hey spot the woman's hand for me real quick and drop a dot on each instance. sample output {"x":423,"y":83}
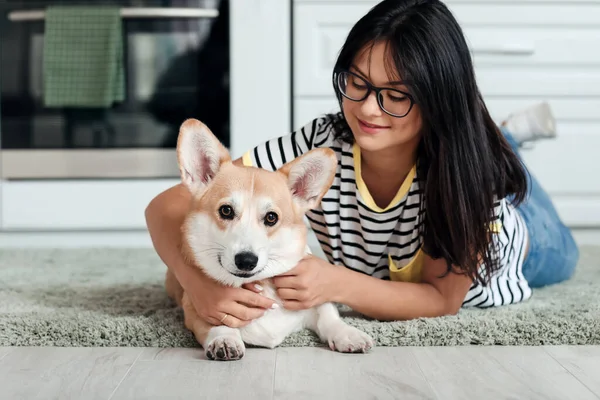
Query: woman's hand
{"x":212,"y":301}
{"x":309,"y":284}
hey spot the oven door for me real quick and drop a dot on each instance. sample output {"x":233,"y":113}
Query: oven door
{"x":176,"y":59}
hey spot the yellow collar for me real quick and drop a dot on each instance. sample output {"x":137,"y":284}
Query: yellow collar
{"x":364,"y":191}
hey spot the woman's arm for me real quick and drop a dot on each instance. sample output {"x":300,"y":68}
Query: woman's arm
{"x":164,"y":216}
{"x":315,"y":281}
{"x":387,"y":300}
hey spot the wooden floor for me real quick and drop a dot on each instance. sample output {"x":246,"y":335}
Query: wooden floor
{"x":569,"y":372}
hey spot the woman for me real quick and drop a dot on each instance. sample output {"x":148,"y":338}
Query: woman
{"x":429,"y":211}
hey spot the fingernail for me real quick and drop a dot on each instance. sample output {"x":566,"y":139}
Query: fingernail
{"x":275,"y":305}
{"x":258,"y":287}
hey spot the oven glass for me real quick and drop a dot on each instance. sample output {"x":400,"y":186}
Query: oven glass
{"x":174,"y":68}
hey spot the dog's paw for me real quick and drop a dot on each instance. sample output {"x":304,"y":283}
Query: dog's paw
{"x":225,"y":348}
{"x":349,"y":339}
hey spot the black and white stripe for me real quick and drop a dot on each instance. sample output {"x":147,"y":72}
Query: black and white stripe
{"x":360,"y":238}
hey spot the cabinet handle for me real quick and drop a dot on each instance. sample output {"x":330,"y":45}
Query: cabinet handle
{"x":505,"y":50}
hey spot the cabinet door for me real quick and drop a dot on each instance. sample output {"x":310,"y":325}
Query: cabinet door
{"x":78,"y":205}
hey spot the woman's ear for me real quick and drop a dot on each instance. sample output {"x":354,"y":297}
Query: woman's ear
{"x":199,"y":154}
{"x":310,"y":176}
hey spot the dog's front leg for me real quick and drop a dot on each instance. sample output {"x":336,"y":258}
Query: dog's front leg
{"x":224,"y":344}
{"x":220,"y":343}
{"x":340,"y":336}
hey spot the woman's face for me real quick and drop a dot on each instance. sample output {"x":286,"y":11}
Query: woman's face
{"x":373,"y":129}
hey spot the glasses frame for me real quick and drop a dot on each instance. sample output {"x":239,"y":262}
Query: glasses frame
{"x":372,"y":88}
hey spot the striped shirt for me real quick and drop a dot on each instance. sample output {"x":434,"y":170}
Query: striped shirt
{"x":386,"y":242}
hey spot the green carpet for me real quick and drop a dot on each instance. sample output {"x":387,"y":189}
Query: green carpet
{"x":108,"y":297}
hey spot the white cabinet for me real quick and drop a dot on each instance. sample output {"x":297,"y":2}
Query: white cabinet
{"x":78,"y":205}
{"x":524,"y":52}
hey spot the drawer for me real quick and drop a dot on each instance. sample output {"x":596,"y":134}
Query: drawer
{"x":567,"y":165}
{"x":533,"y":47}
{"x":565,"y":13}
{"x":78,"y":205}
{"x":521,"y":49}
{"x":546,"y":82}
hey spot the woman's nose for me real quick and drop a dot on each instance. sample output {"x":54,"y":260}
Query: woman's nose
{"x":370,"y":106}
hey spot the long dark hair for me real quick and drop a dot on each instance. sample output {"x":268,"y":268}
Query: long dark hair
{"x":464,"y":163}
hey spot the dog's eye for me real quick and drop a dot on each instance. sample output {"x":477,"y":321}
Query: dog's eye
{"x":226,"y":212}
{"x":271,"y":218}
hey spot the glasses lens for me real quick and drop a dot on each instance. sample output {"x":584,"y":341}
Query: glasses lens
{"x":352,"y":86}
{"x":394,"y":102}
{"x":356,"y":88}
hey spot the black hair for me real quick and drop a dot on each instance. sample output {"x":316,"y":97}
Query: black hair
{"x":464,"y":162}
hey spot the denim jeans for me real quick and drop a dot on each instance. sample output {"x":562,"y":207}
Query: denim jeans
{"x":553,"y":253}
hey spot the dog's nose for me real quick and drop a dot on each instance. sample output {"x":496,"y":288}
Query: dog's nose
{"x":246,"y":260}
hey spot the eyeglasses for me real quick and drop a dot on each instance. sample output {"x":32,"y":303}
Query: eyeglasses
{"x":391,"y":101}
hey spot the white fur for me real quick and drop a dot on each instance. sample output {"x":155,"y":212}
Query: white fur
{"x":271,"y":329}
{"x":276,"y":256}
{"x":208,"y":242}
{"x":227,"y":339}
{"x":214,"y":249}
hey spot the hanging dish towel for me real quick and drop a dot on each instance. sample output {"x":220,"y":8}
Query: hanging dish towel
{"x":83,"y":56}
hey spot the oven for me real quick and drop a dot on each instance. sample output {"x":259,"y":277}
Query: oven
{"x":176,"y":61}
{"x":84,"y":175}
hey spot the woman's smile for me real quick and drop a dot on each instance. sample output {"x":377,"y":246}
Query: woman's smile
{"x":371,"y":128}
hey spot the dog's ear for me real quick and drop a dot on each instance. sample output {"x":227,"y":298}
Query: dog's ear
{"x":199,"y":154}
{"x":310,"y":176}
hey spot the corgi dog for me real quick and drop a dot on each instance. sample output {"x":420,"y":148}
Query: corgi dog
{"x":245,"y":224}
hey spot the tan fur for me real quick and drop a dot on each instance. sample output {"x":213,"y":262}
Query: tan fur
{"x":198,"y":326}
{"x":174,"y":289}
{"x":251,"y":180}
{"x":191,"y":319}
{"x":208,"y":172}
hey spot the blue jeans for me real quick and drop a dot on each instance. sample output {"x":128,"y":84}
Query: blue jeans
{"x":553,"y":253}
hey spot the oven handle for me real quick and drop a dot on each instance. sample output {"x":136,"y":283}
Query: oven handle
{"x":129,"y":12}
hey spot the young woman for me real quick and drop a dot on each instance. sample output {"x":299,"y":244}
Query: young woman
{"x":431,"y":209}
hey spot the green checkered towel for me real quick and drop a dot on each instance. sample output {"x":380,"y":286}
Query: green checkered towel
{"x":83,"y":56}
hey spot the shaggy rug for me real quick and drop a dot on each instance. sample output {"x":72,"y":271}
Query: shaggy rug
{"x":113,"y":297}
